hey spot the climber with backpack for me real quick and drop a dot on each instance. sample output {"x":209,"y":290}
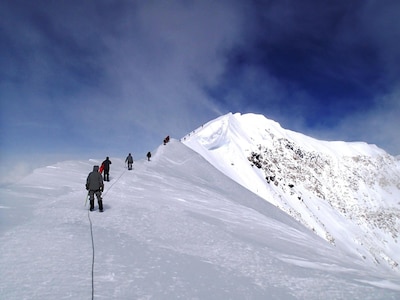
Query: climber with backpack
{"x":129,"y":160}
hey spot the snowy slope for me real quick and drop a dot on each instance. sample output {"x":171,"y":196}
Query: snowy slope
{"x":173,"y":228}
{"x":348,"y":193}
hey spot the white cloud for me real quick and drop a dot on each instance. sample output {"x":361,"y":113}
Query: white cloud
{"x":377,"y":124}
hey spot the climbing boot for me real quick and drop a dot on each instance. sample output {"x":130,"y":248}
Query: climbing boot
{"x":101,"y":205}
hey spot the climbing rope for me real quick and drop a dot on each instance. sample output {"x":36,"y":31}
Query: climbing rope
{"x":105,"y":193}
{"x":91,"y":233}
{"x":91,"y":230}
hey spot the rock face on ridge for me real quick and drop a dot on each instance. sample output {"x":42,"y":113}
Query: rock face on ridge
{"x":348,"y":193}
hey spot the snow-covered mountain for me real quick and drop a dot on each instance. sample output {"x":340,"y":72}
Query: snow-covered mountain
{"x":178,"y":228}
{"x":347,"y":193}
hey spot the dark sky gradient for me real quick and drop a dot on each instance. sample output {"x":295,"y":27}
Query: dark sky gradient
{"x":310,"y":50}
{"x":84,"y":79}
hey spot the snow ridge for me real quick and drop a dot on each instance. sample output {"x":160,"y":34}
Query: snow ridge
{"x":347,"y":193}
{"x":176,"y":227}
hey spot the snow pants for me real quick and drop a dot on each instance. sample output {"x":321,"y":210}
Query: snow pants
{"x":99,"y":199}
{"x":106,"y":175}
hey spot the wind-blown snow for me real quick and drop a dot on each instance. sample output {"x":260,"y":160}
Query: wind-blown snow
{"x":348,"y":193}
{"x":173,"y":228}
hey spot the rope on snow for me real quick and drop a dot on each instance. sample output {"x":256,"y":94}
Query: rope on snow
{"x":91,"y":232}
{"x":105,"y":193}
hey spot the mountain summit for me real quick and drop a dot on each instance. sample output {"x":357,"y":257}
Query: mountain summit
{"x":347,"y":193}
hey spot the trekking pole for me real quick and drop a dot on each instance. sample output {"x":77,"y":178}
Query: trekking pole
{"x":87,"y":198}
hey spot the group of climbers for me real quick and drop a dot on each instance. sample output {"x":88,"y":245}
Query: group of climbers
{"x":129,"y":159}
{"x":95,"y":183}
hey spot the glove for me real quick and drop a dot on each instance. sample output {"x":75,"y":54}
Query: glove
{"x":87,"y":187}
{"x":101,"y":188}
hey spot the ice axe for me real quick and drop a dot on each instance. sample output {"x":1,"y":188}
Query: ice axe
{"x":87,"y":198}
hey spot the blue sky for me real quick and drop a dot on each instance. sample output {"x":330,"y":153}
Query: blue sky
{"x":90,"y":79}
